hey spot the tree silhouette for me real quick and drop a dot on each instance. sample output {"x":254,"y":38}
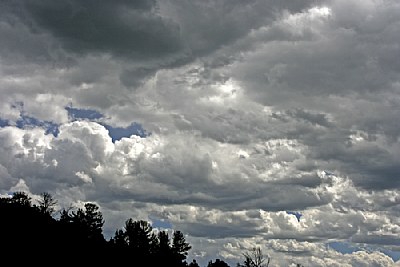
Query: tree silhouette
{"x":139,"y":235}
{"x":21,"y":198}
{"x":180,"y":247}
{"x":163,"y":245}
{"x":119,"y":239}
{"x":31,"y":231}
{"x":193,"y":263}
{"x":255,"y":258}
{"x":217,"y":263}
{"x":82,"y":229}
{"x":91,"y":220}
{"x":139,"y":240}
{"x":25,"y":230}
{"x":47,"y":203}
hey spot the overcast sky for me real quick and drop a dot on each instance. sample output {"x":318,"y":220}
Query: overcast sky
{"x":220,"y":118}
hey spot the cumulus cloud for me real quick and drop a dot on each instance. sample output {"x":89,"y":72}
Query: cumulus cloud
{"x":253,"y":109}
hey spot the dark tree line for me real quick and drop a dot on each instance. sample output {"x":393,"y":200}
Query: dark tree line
{"x":31,"y":234}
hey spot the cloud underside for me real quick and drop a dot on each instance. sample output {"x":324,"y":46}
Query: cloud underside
{"x":256,"y":110}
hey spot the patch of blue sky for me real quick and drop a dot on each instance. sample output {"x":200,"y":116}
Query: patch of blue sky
{"x":344,"y":247}
{"x":395,"y":255}
{"x":295,"y":213}
{"x":163,"y":224}
{"x":26,"y":122}
{"x":89,"y":114}
{"x":4,"y":123}
{"x":116,"y":133}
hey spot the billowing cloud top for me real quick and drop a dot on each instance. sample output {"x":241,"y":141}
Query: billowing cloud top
{"x":241,"y":123}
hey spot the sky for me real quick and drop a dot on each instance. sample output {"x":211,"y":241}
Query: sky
{"x":256,"y":123}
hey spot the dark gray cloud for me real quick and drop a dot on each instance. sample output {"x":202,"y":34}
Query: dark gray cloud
{"x":204,"y":29}
{"x":122,"y":28}
{"x":141,"y":30}
{"x":156,"y":35}
{"x":136,"y":77}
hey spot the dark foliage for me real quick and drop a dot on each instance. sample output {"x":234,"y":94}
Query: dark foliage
{"x":255,"y":258}
{"x":217,"y":263}
{"x":31,"y":235}
{"x":138,"y":240}
{"x":193,"y":263}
